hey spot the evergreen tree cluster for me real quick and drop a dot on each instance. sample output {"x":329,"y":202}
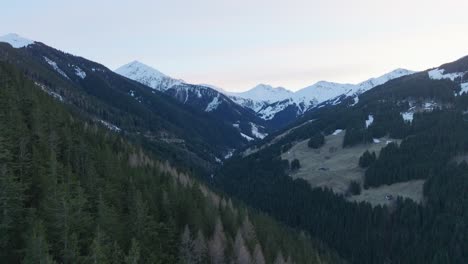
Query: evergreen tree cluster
{"x":316,"y":141}
{"x":367,"y":159}
{"x":436,"y":137}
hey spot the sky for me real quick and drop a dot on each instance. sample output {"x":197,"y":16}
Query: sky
{"x":238,"y":44}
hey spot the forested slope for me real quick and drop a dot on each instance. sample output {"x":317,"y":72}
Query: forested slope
{"x":435,"y":231}
{"x":72,"y":191}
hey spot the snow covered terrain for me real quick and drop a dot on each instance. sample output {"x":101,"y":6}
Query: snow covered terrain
{"x":369,"y":121}
{"x":438,"y":74}
{"x":264,"y":92}
{"x":213,"y":104}
{"x":55,"y":67}
{"x":79,"y":72}
{"x":323,"y":91}
{"x":16,"y":41}
{"x":147,"y":75}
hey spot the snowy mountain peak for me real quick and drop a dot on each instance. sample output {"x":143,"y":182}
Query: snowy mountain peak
{"x":16,"y":41}
{"x":147,"y":75}
{"x":264,"y":92}
{"x":371,"y":83}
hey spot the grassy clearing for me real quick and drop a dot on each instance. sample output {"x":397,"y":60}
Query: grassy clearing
{"x":335,"y":167}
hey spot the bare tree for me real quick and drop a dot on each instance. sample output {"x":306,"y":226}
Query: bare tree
{"x":248,"y":230}
{"x":199,"y":248}
{"x":186,"y":247}
{"x":280,"y":259}
{"x":241,"y":253}
{"x":258,"y":255}
{"x":217,"y":244}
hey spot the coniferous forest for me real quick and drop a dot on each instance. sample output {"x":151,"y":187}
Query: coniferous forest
{"x":74,"y":192}
{"x":434,"y":231}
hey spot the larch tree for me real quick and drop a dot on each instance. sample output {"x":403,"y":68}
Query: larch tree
{"x":258,"y":257}
{"x":241,"y":253}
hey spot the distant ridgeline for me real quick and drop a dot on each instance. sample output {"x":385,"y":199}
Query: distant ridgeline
{"x":74,"y":191}
{"x":427,"y":111}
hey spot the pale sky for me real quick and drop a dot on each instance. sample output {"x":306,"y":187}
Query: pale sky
{"x":236,"y":44}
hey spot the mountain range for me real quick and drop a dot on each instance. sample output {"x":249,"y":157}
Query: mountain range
{"x":277,"y":106}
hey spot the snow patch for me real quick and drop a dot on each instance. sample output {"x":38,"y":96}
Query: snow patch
{"x":376,"y":140}
{"x":246,"y":137}
{"x":369,"y":121}
{"x":110,"y":126}
{"x":464,"y":88}
{"x":213,"y":104}
{"x":16,"y":41}
{"x":256,"y":133}
{"x":407,"y":116}
{"x":438,"y":74}
{"x":338,"y":131}
{"x":229,"y":154}
{"x":79,"y":72}
{"x":55,"y":67}
{"x":49,"y":92}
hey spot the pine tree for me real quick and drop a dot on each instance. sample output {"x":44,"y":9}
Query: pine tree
{"x":11,"y":202}
{"x":100,"y":251}
{"x":133,"y":255}
{"x":37,"y":248}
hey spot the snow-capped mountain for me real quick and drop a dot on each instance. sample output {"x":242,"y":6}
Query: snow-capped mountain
{"x":268,"y":101}
{"x":147,"y":75}
{"x":205,"y":98}
{"x":265,"y":92}
{"x":16,"y":41}
{"x":260,"y":96}
{"x":313,"y":95}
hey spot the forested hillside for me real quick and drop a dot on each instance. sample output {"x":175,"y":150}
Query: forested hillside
{"x":72,"y":191}
{"x":429,"y":117}
{"x":195,"y":139}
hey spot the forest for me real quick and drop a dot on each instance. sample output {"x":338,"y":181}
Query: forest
{"x":72,"y":191}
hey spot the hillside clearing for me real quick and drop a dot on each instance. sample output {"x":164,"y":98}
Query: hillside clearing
{"x":334,"y":167}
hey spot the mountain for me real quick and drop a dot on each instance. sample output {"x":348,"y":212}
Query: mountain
{"x":259,"y":96}
{"x":16,"y":41}
{"x":285,"y":111}
{"x":379,"y":156}
{"x":187,"y":134}
{"x":73,"y":191}
{"x":201,"y":97}
{"x":148,"y":76}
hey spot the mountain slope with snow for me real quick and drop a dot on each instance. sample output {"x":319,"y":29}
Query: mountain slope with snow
{"x":16,"y":41}
{"x":265,"y":92}
{"x":204,"y":98}
{"x":147,"y":75}
{"x":323,"y":91}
